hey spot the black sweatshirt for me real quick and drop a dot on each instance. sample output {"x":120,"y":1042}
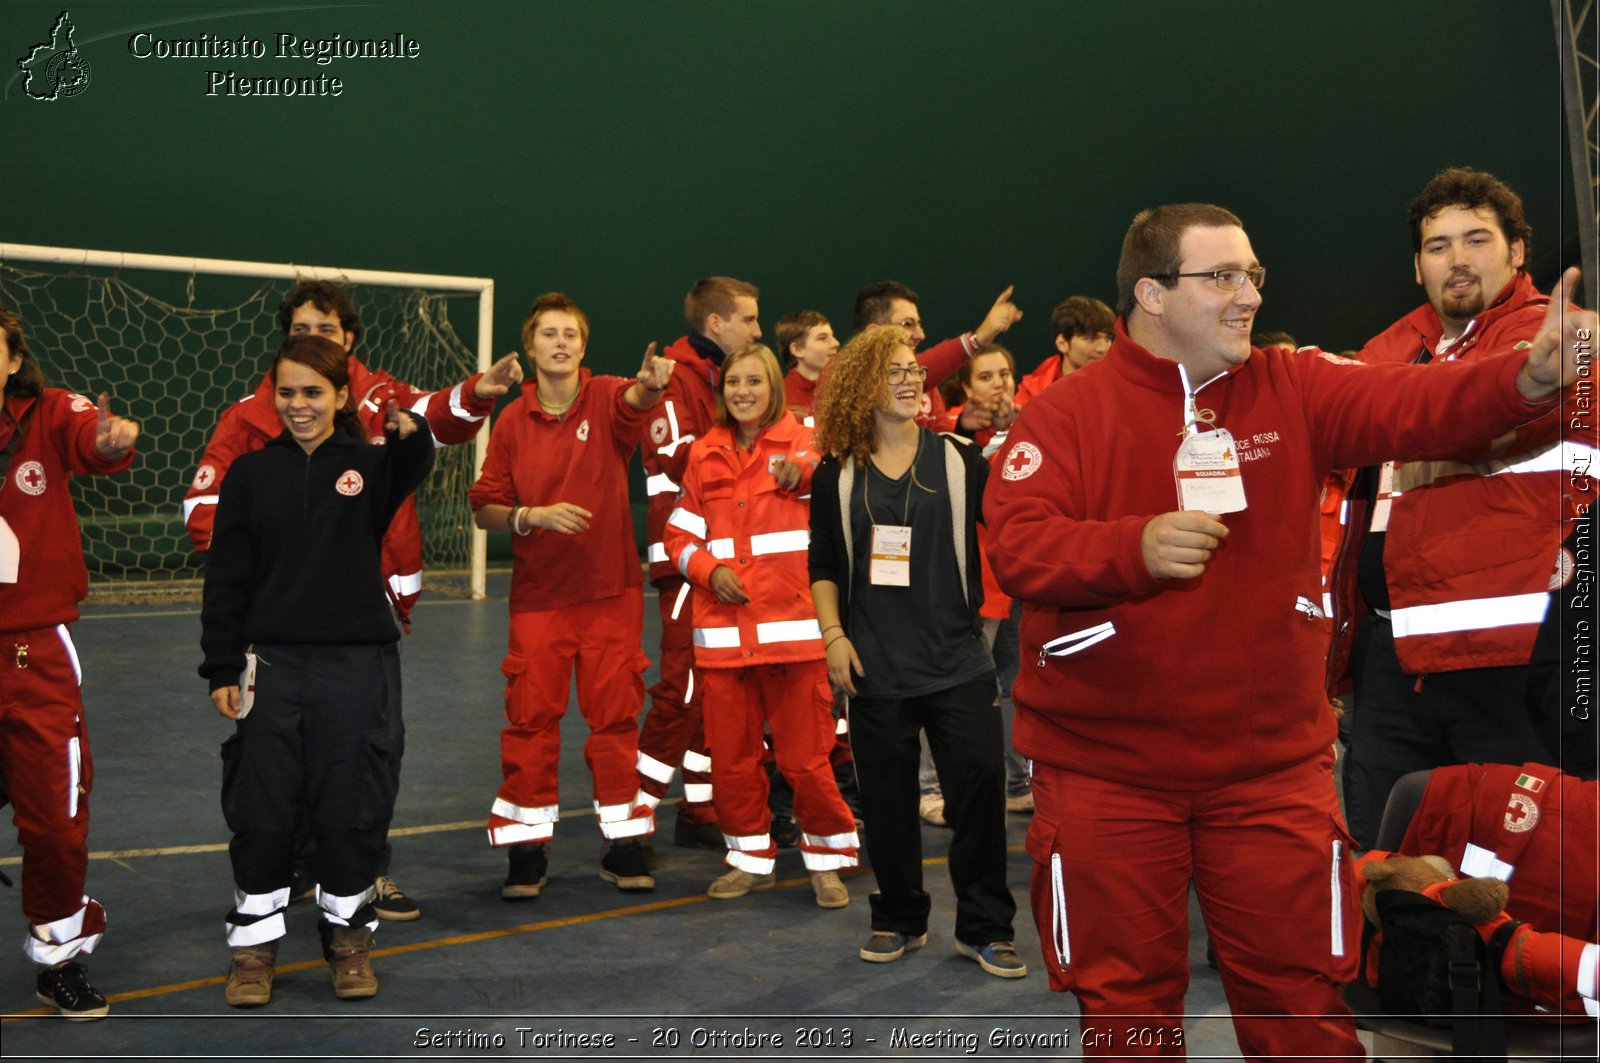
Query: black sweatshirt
{"x":296,"y":553}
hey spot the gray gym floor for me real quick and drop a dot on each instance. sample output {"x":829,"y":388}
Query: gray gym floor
{"x":663,"y":974}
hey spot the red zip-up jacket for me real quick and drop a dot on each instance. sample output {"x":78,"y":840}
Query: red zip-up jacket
{"x":1190,"y":684}
{"x":36,"y":510}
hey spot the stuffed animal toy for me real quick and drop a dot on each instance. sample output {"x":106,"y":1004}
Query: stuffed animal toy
{"x":1552,"y":970}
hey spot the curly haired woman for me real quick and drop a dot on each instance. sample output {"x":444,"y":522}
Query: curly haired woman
{"x":895,"y":577}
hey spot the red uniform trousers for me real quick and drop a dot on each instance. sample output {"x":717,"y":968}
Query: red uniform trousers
{"x":797,"y":703}
{"x":48,"y":772}
{"x":1269,"y":860}
{"x":673,"y":731}
{"x":601,"y":639}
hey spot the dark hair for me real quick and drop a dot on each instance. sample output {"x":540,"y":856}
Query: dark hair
{"x":1152,"y":246}
{"x":1463,"y":186}
{"x":1272,"y":339}
{"x":793,"y":329}
{"x":27,"y":381}
{"x":873,"y":302}
{"x":329,"y":298}
{"x":715,"y":295}
{"x":553,"y":301}
{"x":329,"y":361}
{"x":1081,"y":316}
{"x":963,"y":375}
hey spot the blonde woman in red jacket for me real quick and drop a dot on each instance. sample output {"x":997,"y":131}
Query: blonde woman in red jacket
{"x":740,"y":535}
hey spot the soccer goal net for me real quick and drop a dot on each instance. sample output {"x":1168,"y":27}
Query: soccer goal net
{"x":174,"y":341}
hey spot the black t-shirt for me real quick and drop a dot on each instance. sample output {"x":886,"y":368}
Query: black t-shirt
{"x":918,"y":639}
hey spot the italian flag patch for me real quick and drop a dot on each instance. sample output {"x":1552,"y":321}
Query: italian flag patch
{"x":1531,"y":783}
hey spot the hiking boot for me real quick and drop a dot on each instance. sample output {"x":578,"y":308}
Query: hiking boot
{"x":736,"y":883}
{"x":624,"y":865}
{"x":67,"y":987}
{"x":999,"y":958}
{"x":1022,"y":802}
{"x":392,"y":903}
{"x":886,"y":946}
{"x":785,"y":832}
{"x":530,"y":867}
{"x":250,"y":978}
{"x":349,"y":948}
{"x":698,"y":835}
{"x":931,"y":808}
{"x":829,"y":890}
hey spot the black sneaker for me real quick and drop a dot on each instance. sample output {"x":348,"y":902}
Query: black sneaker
{"x":68,"y":988}
{"x":303,"y":886}
{"x":530,"y":867}
{"x":392,"y":903}
{"x":698,"y":835}
{"x":624,"y":865}
{"x":785,"y":832}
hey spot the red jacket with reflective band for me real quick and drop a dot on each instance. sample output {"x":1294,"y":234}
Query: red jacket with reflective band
{"x":686,"y":411}
{"x":1474,"y":541}
{"x":733,"y":513}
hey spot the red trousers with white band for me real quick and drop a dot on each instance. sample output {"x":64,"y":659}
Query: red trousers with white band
{"x":48,"y":772}
{"x":673,"y":735}
{"x":1268,"y":856}
{"x":797,"y":703}
{"x":600,"y":641}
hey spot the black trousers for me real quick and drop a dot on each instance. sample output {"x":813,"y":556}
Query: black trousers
{"x":964,"y":736}
{"x":320,"y":744}
{"x":1405,"y":723}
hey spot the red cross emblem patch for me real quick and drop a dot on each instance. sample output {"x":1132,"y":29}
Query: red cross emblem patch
{"x":1022,"y":462}
{"x":30,"y":479}
{"x":349,"y":483}
{"x":1522,"y":814}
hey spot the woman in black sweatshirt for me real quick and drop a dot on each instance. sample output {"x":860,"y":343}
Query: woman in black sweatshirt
{"x":301,"y":650}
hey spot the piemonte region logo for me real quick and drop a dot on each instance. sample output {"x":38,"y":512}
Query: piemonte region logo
{"x":55,"y":69}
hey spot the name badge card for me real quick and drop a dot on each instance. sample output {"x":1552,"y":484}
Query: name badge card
{"x":247,"y":685}
{"x":891,"y":556}
{"x":1207,"y":472}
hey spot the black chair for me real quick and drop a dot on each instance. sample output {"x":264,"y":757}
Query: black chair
{"x":1397,"y":1038}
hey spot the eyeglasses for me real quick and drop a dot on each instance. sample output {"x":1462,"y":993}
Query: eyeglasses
{"x":899,"y":374}
{"x":1229,"y":280}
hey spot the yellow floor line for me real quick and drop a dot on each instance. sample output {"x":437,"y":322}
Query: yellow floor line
{"x":458,"y":939}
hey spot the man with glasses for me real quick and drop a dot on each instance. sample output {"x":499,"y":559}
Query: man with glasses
{"x":1448,"y":566}
{"x":892,"y":303}
{"x":1157,"y":519}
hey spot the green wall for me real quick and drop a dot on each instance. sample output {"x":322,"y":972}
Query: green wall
{"x":618,"y":149}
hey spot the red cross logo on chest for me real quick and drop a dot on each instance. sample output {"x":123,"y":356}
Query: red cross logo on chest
{"x":30,"y":478}
{"x":349,"y":483}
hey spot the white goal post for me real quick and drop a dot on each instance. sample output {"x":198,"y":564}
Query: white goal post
{"x":93,"y":322}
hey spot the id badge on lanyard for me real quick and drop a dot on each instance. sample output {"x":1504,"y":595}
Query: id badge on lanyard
{"x":891,"y":556}
{"x":1206,"y":468}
